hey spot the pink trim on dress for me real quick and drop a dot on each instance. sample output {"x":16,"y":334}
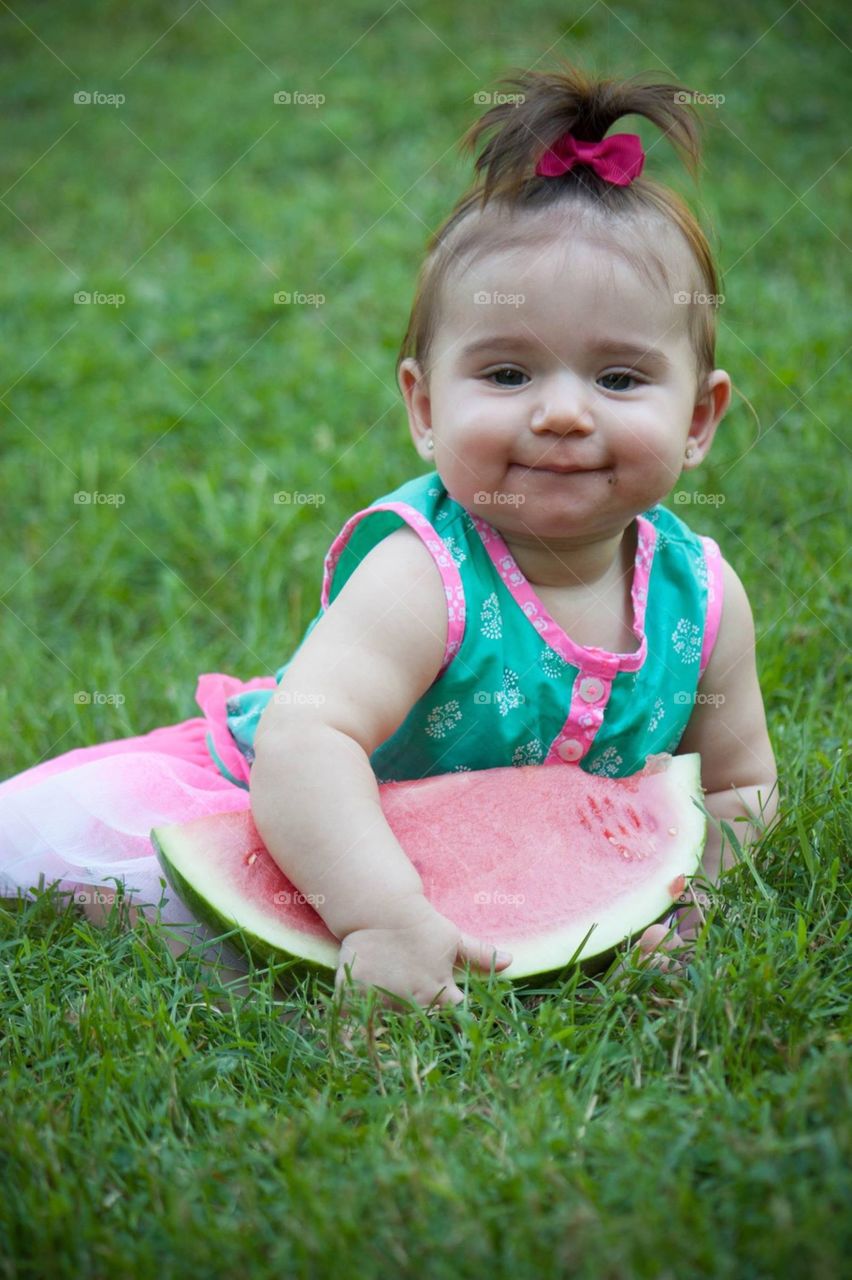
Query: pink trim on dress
{"x":434,"y":543}
{"x":715,"y":591}
{"x":591,"y":660}
{"x":589,"y":697}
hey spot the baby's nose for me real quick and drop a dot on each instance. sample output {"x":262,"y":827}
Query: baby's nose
{"x":564,"y":407}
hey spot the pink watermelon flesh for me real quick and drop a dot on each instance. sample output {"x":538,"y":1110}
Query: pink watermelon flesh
{"x":530,"y":859}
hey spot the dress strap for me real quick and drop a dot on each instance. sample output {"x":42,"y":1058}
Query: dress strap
{"x":715,"y":591}
{"x":436,"y":547}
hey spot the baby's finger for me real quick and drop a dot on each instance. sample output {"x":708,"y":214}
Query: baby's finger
{"x":342,"y":978}
{"x":481,"y":954}
{"x":345,"y":983}
{"x":448,"y":997}
{"x":657,"y":948}
{"x":687,"y":922}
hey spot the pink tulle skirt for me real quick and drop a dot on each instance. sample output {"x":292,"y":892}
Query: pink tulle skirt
{"x":85,"y":817}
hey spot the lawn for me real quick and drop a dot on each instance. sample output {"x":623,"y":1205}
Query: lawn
{"x":617,"y":1126}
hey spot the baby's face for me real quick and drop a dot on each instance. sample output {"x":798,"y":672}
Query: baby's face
{"x":562,"y":405}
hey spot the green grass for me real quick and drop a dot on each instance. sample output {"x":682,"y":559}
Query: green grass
{"x":638,"y":1125}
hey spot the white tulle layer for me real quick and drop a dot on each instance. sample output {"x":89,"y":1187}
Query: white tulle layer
{"x":86,"y":816}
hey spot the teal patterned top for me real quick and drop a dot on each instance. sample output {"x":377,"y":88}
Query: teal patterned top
{"x":514,"y":688}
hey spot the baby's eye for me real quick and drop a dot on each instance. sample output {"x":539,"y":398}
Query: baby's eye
{"x":513,"y":373}
{"x":619,"y":376}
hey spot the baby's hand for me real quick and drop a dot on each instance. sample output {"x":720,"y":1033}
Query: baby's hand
{"x":412,"y":953}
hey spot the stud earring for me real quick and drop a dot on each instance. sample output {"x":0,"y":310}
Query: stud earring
{"x":690,"y":450}
{"x":430,"y":444}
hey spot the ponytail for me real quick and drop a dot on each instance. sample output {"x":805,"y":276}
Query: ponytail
{"x":549,"y":105}
{"x":523,"y":126}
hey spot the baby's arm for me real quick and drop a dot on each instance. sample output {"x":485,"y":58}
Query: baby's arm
{"x":728,"y":728}
{"x":314,"y":796}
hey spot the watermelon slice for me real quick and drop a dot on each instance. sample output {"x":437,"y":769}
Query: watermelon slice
{"x":546,"y":861}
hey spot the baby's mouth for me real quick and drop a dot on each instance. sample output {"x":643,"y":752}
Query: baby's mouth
{"x":568,"y":469}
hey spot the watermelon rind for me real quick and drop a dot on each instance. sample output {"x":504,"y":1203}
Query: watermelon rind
{"x":589,"y":943}
{"x":271,"y":946}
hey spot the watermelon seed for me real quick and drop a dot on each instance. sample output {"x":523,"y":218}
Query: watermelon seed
{"x":251,"y":859}
{"x":672,"y":831}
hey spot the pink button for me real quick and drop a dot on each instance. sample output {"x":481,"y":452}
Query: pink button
{"x":591,"y":690}
{"x":570,"y":749}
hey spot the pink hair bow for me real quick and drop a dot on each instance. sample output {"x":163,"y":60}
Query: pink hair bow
{"x":617,"y":159}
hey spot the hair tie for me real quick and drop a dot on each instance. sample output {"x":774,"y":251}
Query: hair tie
{"x":617,"y":159}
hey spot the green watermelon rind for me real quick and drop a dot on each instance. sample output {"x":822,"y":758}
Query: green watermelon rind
{"x":260,"y":949}
{"x":591,"y":951}
{"x":264,"y":953}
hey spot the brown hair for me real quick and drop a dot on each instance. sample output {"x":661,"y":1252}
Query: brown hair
{"x":527,"y":124}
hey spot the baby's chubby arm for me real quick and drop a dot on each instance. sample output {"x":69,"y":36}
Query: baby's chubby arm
{"x":314,"y":795}
{"x":728,"y":728}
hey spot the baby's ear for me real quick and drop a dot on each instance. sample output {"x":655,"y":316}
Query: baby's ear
{"x":710,"y":408}
{"x":414,"y":385}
